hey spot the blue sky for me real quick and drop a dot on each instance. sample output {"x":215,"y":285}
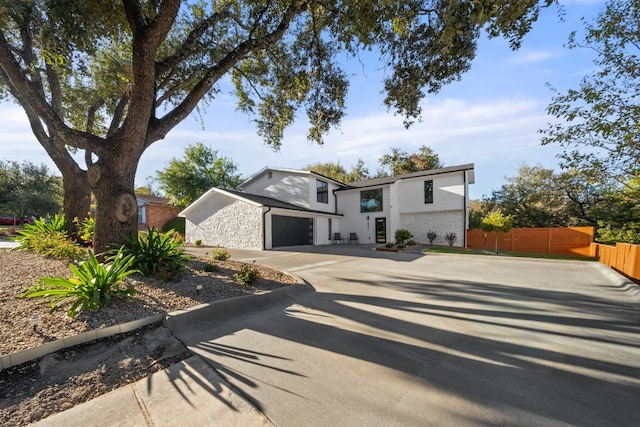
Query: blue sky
{"x":490,"y":118}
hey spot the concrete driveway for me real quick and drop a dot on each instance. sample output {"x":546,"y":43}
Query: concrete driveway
{"x":410,"y":340}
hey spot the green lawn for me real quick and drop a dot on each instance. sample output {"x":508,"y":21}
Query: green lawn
{"x":449,"y":250}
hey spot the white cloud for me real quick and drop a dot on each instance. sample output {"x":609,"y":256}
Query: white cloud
{"x":495,"y":134}
{"x":528,"y":57}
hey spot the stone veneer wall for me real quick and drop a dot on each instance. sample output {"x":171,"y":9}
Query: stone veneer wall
{"x":442,"y":223}
{"x":233,"y":224}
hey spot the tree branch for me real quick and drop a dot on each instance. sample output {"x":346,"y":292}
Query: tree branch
{"x":117,"y":114}
{"x":159,"y":128}
{"x":29,"y":95}
{"x":187,"y":48}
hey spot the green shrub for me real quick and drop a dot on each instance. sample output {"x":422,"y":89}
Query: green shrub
{"x":431,"y":235}
{"x":30,"y":234}
{"x":86,"y":228}
{"x":411,"y":242}
{"x":221,"y":254}
{"x":451,"y":238}
{"x":402,"y":235}
{"x":157,"y":254}
{"x":47,"y":236}
{"x":400,"y":246}
{"x":92,"y":286}
{"x":210,"y":268}
{"x":247,"y":275}
{"x":177,"y":224}
{"x":198,"y":242}
{"x":59,"y":247}
{"x":388,"y":245}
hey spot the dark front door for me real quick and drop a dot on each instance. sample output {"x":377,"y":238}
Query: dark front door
{"x":381,"y":230}
{"x":291,"y":231}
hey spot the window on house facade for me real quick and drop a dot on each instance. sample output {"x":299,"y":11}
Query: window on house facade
{"x":428,"y":191}
{"x":142,"y":214}
{"x":269,"y":175}
{"x":371,"y":200}
{"x":322,"y":190}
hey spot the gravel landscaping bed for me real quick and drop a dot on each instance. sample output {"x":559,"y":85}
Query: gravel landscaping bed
{"x":56,"y":382}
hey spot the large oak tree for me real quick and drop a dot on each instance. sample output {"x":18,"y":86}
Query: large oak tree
{"x":109,"y":78}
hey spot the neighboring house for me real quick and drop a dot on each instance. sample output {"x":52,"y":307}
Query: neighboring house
{"x":283,"y":207}
{"x":154,"y":211}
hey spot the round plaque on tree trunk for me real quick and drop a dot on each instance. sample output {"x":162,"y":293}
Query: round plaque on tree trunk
{"x":125,"y":207}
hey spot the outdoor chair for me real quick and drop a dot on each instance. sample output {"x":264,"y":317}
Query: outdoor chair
{"x":353,"y":238}
{"x":337,"y":238}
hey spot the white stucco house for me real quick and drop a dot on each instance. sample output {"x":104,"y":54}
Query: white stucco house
{"x":279,"y":207}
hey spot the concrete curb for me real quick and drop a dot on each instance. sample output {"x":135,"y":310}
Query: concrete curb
{"x":176,"y":320}
{"x":626,"y":285}
{"x":226,"y":309}
{"x":19,"y":357}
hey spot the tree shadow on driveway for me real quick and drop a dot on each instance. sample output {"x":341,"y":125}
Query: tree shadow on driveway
{"x":492,"y":353}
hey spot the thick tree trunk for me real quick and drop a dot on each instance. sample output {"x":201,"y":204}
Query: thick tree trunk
{"x":116,"y":209}
{"x":77,"y":198}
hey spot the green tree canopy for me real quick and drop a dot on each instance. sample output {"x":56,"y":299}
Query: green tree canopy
{"x":28,"y":189}
{"x":337,"y":172}
{"x":618,"y":217}
{"x":110,"y":78}
{"x":184,"y":180}
{"x":532,"y":198}
{"x":540,"y":197}
{"x":599,"y":120}
{"x":399,"y":162}
{"x":497,"y":222}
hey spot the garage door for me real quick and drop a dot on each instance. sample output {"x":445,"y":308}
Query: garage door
{"x":291,"y":231}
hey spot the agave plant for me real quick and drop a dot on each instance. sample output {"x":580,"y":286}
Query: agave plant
{"x":92,"y":286}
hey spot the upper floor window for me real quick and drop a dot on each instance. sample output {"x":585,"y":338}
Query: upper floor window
{"x":322,"y":190}
{"x":371,"y":200}
{"x":428,"y":191}
{"x":269,"y":175}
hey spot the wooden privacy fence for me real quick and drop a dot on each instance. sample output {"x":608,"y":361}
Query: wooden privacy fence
{"x":561,"y":241}
{"x":623,"y":257}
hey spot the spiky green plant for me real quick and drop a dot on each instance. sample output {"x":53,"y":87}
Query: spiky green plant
{"x":157,"y":254}
{"x":92,"y":286}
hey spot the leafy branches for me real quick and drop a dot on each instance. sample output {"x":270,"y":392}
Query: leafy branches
{"x":184,"y":180}
{"x":599,"y":129}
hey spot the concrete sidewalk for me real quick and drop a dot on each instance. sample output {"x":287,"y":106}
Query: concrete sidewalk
{"x":8,"y":244}
{"x":189,"y":393}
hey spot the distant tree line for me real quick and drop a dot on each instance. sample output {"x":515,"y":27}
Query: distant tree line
{"x":540,"y":197}
{"x":27,"y":190}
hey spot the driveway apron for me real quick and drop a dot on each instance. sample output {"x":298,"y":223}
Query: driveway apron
{"x":413,"y":340}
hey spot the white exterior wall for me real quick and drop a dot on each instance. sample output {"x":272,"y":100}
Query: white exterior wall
{"x":448,"y":193}
{"x":443,"y":223}
{"x":321,"y":229}
{"x":313,"y":196}
{"x":445,"y":215}
{"x":355,"y":221}
{"x":225,"y":221}
{"x":285,"y":186}
{"x":404,"y":207}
